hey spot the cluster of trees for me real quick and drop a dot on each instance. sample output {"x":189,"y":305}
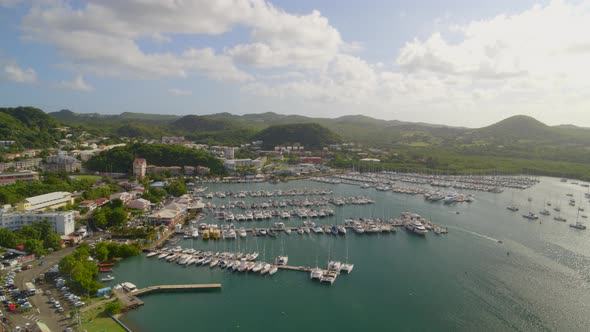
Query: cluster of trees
{"x":120,"y":159}
{"x":83,"y":270}
{"x":311,"y":135}
{"x":37,"y":238}
{"x":51,"y":182}
{"x":106,"y":251}
{"x":112,"y":214}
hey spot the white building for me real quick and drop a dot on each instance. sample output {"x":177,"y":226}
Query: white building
{"x":233,"y":164}
{"x":62,"y":221}
{"x":139,"y":167}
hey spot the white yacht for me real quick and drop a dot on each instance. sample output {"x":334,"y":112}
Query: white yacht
{"x":152,"y":254}
{"x":242,"y":232}
{"x":282,"y":260}
{"x":358,"y":229}
{"x":316,"y":273}
{"x":334,"y":266}
{"x":416,"y":227}
{"x":346,"y":267}
{"x":285,"y":215}
{"x":107,"y":278}
{"x":273,"y":270}
{"x":287,"y":231}
{"x":265,"y":268}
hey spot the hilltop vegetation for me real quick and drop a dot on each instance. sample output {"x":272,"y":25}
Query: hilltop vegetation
{"x":120,"y":159}
{"x":311,"y":135}
{"x":520,"y":139}
{"x":30,"y":127}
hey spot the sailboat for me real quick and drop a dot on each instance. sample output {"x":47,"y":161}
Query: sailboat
{"x":512,"y":207}
{"x":346,"y":266}
{"x":578,"y":225}
{"x":559,"y":217}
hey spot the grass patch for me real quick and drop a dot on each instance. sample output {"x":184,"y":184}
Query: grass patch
{"x":97,"y":320}
{"x":88,"y":177}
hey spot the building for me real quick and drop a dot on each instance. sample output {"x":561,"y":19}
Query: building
{"x":139,"y":167}
{"x":370,"y":160}
{"x":310,"y":160}
{"x":174,"y":170}
{"x":5,"y":144}
{"x":233,"y":164}
{"x":229,"y":152}
{"x":10,"y":178}
{"x":61,"y":163}
{"x":171,"y":213}
{"x":123,"y":196}
{"x":62,"y":221}
{"x":48,"y":201}
{"x":139,"y":204}
{"x":21,"y":164}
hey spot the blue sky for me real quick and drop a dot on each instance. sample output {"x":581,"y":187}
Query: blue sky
{"x":453,"y":62}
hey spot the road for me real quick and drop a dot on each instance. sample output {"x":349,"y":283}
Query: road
{"x":42,"y":310}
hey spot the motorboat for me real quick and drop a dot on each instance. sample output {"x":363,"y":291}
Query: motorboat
{"x":530,"y":216}
{"x":107,"y":278}
{"x":416,"y":227}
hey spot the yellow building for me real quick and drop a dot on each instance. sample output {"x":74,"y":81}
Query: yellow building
{"x":48,"y":201}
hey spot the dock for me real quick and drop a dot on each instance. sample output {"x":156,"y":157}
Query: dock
{"x":131,"y":301}
{"x":295,"y":268}
{"x":164,"y":288}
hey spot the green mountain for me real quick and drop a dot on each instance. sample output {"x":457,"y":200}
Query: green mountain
{"x":29,"y":127}
{"x":311,"y":135}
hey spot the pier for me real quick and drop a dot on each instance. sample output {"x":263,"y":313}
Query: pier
{"x":162,"y":288}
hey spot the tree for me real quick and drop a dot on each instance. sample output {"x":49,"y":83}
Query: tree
{"x":101,"y":252}
{"x":53,"y":241}
{"x":118,"y":217}
{"x":114,"y":307}
{"x":34,"y":246}
{"x":100,"y":219}
{"x":177,"y":188}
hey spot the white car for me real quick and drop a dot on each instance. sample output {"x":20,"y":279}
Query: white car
{"x":78,"y":304}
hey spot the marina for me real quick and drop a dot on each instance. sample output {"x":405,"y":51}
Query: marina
{"x":474,"y":252}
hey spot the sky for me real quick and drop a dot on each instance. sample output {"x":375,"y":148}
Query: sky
{"x":454,"y":62}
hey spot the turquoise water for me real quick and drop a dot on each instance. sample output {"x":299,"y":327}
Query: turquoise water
{"x":536,"y":279}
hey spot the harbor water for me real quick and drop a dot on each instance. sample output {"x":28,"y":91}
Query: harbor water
{"x":493,"y":271}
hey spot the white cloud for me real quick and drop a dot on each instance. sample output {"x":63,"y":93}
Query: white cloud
{"x":77,"y":84}
{"x":534,"y":62}
{"x":179,"y":92}
{"x":17,"y":74}
{"x":102,"y":36}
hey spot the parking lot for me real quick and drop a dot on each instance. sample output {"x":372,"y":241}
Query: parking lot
{"x":40,"y":306}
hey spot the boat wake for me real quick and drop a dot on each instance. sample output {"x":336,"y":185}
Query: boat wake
{"x":475,"y":234}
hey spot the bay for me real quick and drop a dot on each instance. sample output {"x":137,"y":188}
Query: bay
{"x":536,"y":279}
